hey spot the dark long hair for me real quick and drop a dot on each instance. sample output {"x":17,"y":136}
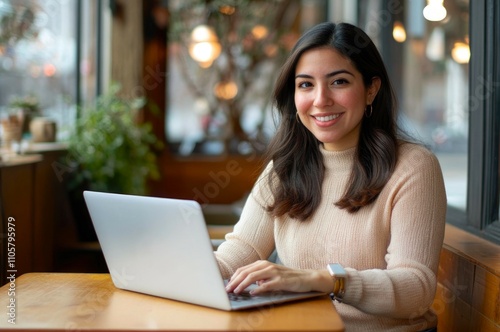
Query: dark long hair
{"x":297,"y":160}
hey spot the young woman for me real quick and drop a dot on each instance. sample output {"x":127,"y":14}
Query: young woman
{"x":342,"y":186}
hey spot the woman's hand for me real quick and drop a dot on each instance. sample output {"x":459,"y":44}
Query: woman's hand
{"x":273,"y":277}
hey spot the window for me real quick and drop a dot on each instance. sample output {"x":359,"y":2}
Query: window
{"x":447,"y":81}
{"x":49,"y":61}
{"x":428,"y":64}
{"x":447,"y":78}
{"x":435,"y":88}
{"x":222,"y":65}
{"x":37,"y":59}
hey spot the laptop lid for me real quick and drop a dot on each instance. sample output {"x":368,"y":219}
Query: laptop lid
{"x":158,"y":246}
{"x":161,"y":247}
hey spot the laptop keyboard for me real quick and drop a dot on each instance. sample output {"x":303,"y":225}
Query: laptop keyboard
{"x":243,"y":296}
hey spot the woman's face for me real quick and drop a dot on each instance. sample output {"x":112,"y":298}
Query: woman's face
{"x":331,"y":97}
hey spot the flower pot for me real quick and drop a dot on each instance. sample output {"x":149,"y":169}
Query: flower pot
{"x":43,"y":130}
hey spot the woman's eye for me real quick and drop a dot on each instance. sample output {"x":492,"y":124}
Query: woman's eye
{"x":339,"y":81}
{"x":304,"y":85}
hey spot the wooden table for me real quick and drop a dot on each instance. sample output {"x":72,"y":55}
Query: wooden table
{"x":74,"y":302}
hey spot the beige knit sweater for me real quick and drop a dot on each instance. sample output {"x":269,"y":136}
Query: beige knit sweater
{"x":390,"y":249}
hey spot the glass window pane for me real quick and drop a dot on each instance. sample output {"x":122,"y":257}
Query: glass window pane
{"x":222,"y":65}
{"x":435,"y":88}
{"x":37,"y":60}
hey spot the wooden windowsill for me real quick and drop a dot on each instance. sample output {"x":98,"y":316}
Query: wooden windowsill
{"x":475,"y":249}
{"x":18,"y":160}
{"x":46,"y":147}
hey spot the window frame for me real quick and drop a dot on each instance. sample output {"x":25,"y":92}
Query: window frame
{"x":83,"y":23}
{"x":482,"y":214}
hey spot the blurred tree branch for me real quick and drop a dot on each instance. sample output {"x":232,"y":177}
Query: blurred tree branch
{"x":255,"y":36}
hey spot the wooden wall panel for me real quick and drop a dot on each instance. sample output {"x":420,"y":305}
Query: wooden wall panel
{"x":468,"y":293}
{"x":221,"y":180}
{"x":17,"y":184}
{"x":486,"y":297}
{"x":126,"y":48}
{"x":453,"y":313}
{"x":457,"y":275}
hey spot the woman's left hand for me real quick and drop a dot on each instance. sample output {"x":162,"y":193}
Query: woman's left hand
{"x":273,"y":277}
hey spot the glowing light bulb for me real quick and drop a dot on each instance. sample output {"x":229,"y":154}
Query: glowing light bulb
{"x":259,"y":32}
{"x":205,"y":46}
{"x":226,"y":90}
{"x":460,"y":52}
{"x":399,"y":32}
{"x":434,"y":11}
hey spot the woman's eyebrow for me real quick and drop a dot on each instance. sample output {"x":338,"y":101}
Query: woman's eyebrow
{"x":333,"y":73}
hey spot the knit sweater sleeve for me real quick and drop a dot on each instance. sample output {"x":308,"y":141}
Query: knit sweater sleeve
{"x":406,"y":287}
{"x":253,"y":237}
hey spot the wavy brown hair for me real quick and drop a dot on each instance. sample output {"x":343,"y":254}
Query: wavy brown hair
{"x":297,"y":160}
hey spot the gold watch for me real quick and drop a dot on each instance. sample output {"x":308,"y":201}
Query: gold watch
{"x":339,"y":280}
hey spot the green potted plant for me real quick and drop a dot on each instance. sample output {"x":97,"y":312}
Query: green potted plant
{"x":110,"y":152}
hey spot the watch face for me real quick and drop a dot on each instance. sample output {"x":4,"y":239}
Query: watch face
{"x":336,"y":270}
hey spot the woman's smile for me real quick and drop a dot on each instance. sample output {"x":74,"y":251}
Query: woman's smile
{"x":326,"y":120}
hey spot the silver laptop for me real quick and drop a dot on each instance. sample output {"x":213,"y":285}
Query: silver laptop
{"x":161,"y":247}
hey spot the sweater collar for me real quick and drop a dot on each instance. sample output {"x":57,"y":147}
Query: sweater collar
{"x":338,"y":161}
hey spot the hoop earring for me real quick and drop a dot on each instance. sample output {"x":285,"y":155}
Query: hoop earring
{"x":369,"y":114}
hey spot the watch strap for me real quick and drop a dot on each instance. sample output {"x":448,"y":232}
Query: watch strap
{"x":338,"y":274}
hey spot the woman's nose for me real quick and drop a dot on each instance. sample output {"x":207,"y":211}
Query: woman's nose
{"x":323,"y":97}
